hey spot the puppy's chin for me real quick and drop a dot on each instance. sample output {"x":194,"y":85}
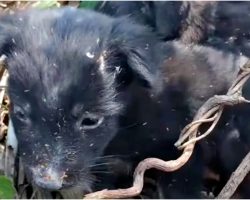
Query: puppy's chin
{"x":76,"y":192}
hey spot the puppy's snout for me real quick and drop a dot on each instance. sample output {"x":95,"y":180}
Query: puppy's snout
{"x":48,"y":177}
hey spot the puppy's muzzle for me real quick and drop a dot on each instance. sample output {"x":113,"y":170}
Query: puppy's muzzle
{"x":48,"y":177}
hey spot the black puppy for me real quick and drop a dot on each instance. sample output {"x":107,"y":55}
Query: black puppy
{"x":85,"y":86}
{"x":197,"y":73}
{"x":192,"y":22}
{"x":200,"y":22}
{"x":70,"y":72}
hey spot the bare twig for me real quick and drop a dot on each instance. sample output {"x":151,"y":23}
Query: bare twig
{"x":146,"y":164}
{"x":213,"y":108}
{"x":209,"y":112}
{"x":4,"y":78}
{"x":236,"y":178}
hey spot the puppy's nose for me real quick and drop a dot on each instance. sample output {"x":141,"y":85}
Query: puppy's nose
{"x":47,"y":177}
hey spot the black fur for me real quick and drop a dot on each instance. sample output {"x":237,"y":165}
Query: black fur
{"x":221,"y":25}
{"x":231,"y":27}
{"x":197,"y":73}
{"x":68,"y":69}
{"x":201,"y":22}
{"x":192,"y":22}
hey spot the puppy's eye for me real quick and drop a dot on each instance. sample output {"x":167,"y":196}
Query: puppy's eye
{"x":91,"y":121}
{"x":20,"y":114}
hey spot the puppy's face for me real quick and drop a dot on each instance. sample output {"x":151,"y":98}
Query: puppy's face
{"x":69,"y":71}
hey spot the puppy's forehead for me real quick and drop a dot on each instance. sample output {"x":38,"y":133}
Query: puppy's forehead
{"x":55,"y":80}
{"x":60,"y":53}
{"x":63,"y":23}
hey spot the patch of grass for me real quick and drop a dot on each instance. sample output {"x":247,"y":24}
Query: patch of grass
{"x":44,"y":4}
{"x":88,"y":4}
{"x":7,"y":190}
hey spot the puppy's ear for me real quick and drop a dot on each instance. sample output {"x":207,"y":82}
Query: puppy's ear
{"x":10,"y":32}
{"x":22,"y":24}
{"x":136,"y":49}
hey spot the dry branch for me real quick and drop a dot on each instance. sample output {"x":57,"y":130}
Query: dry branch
{"x":236,"y":178}
{"x":4,"y":78}
{"x":209,"y":112}
{"x":144,"y":165}
{"x":212,"y":109}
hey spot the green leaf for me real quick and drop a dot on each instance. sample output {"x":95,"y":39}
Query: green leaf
{"x":43,"y":4}
{"x":7,"y":190}
{"x":88,"y":4}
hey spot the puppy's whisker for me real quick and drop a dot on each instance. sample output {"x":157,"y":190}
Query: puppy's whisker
{"x":129,"y":126}
{"x":104,"y":157}
{"x":101,"y":172}
{"x":100,"y":164}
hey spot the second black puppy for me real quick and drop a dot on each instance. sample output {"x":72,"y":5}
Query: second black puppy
{"x":190,"y":21}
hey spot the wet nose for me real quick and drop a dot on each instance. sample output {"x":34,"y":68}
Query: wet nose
{"x":47,"y":177}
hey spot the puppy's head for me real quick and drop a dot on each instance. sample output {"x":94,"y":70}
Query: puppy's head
{"x":68,"y":72}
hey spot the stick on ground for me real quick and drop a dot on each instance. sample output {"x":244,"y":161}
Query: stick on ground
{"x":236,"y":178}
